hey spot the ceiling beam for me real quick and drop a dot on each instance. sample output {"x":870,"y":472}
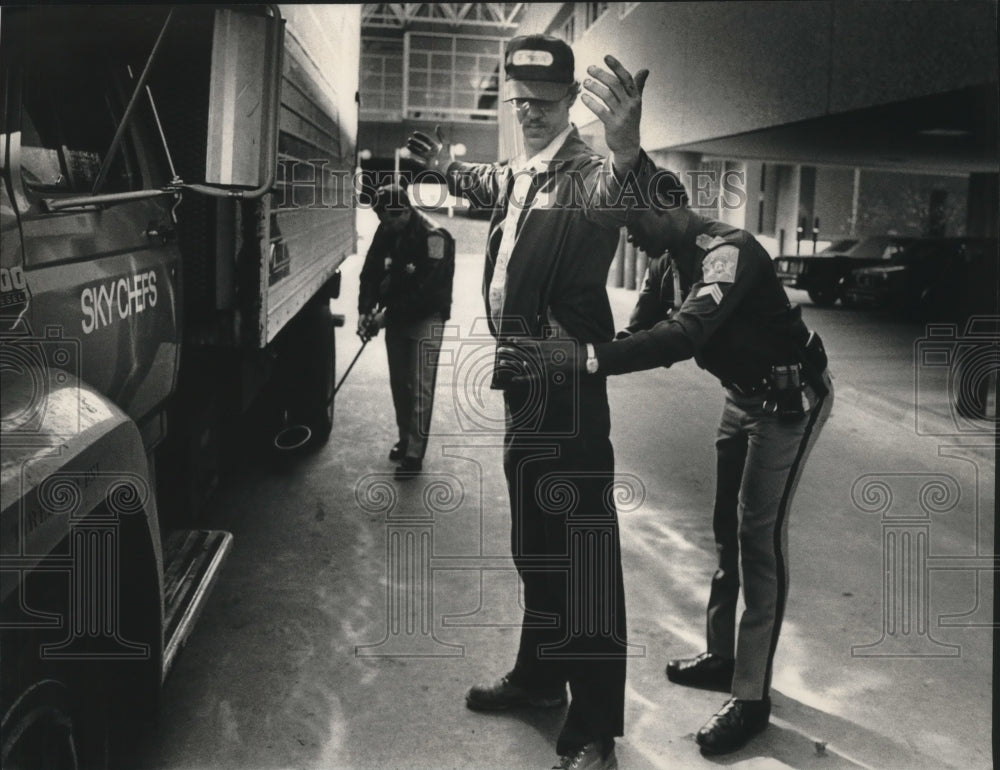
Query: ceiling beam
{"x":499,"y":16}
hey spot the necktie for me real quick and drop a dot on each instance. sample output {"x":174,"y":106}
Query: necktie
{"x":518,"y":201}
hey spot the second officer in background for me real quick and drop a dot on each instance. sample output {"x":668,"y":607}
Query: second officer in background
{"x":406,"y":287}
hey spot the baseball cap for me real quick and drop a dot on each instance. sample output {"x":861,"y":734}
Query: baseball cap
{"x":537,"y":67}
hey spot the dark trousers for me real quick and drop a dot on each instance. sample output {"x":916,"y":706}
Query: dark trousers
{"x":413,"y":350}
{"x":559,"y":465}
{"x":759,"y":461}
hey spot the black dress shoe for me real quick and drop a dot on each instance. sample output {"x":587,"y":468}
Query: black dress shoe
{"x":504,"y":694}
{"x":735,"y":724}
{"x":409,"y":468}
{"x":589,"y":757}
{"x":707,"y":671}
{"x":398,"y":451}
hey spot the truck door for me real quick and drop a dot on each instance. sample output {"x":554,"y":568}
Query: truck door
{"x":103,"y":276}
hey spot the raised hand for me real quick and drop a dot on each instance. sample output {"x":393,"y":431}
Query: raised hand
{"x":616,"y":98}
{"x":434,"y":152}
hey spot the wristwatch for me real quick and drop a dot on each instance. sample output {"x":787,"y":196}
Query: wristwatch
{"x":591,"y":359}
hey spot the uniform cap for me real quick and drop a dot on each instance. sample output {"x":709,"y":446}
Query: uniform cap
{"x":391,"y":197}
{"x":537,"y":67}
{"x":668,"y":190}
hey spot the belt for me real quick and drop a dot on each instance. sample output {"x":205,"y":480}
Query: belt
{"x":748,"y":389}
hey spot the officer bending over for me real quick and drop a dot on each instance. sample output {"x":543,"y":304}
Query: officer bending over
{"x":712,"y":294}
{"x":406,"y":287}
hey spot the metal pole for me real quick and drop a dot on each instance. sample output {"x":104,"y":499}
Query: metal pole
{"x":139,"y":86}
{"x":351,"y":366}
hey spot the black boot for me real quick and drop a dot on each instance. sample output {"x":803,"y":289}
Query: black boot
{"x":736,"y":723}
{"x":707,"y":671}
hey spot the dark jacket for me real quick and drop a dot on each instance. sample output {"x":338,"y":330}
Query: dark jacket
{"x":735,"y":319}
{"x":409,"y":297}
{"x":566,"y":239}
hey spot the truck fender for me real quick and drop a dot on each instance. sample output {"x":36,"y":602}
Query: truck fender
{"x":76,"y":497}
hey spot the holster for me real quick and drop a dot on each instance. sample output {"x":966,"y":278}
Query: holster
{"x":814,"y":363}
{"x":784,"y":393}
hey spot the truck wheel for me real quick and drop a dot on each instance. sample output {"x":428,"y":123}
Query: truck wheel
{"x":38,"y":729}
{"x":311,"y":403}
{"x":47,"y":728}
{"x":319,"y":418}
{"x":824,"y":296}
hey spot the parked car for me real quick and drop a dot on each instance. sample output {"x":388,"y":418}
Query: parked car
{"x":933,"y":279}
{"x":820,"y":274}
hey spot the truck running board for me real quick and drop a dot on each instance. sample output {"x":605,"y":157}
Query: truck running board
{"x":192,"y":560}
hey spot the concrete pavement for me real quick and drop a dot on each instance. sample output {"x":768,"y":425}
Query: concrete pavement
{"x":304,"y":659}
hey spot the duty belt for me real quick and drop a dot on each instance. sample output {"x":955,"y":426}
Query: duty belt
{"x":758,"y":388}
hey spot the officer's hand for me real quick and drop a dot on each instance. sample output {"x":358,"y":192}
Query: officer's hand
{"x":369,"y":324}
{"x":616,"y":98}
{"x":434,"y":153}
{"x":553,"y":361}
{"x":363,"y":321}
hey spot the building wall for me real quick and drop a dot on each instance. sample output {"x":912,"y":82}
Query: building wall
{"x":832,"y":203}
{"x":787,"y":213}
{"x":883,"y":52}
{"x":417,"y":80}
{"x":381,"y":138}
{"x":900,"y":203}
{"x":718,"y":69}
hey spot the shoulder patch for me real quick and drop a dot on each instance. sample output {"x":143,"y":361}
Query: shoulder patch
{"x":720,"y":264}
{"x":435,"y":246}
{"x":706,"y":242}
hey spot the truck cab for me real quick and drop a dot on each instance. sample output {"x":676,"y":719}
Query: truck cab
{"x":159,"y":280}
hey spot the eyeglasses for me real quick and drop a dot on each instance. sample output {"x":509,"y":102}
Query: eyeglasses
{"x":544,"y":106}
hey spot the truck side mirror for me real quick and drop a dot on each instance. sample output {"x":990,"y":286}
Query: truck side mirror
{"x":243,"y":102}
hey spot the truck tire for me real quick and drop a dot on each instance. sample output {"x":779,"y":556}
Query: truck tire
{"x":313,"y":357}
{"x":38,"y":730}
{"x":319,"y":397}
{"x":823,"y":296}
{"x":55,"y":718}
{"x":80,"y":711}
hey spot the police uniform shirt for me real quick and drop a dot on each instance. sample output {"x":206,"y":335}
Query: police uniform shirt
{"x":410,"y":273}
{"x":736,"y":320}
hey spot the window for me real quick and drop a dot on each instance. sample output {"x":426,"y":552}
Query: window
{"x":594,"y":12}
{"x":68,"y":120}
{"x":381,"y":78}
{"x":453,"y":77}
{"x":567,"y":31}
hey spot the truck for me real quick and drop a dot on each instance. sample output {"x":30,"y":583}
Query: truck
{"x":176,"y":202}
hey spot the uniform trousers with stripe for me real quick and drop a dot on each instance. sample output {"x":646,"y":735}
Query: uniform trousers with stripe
{"x":759,"y":461}
{"x":412,"y":350}
{"x":559,"y":464}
